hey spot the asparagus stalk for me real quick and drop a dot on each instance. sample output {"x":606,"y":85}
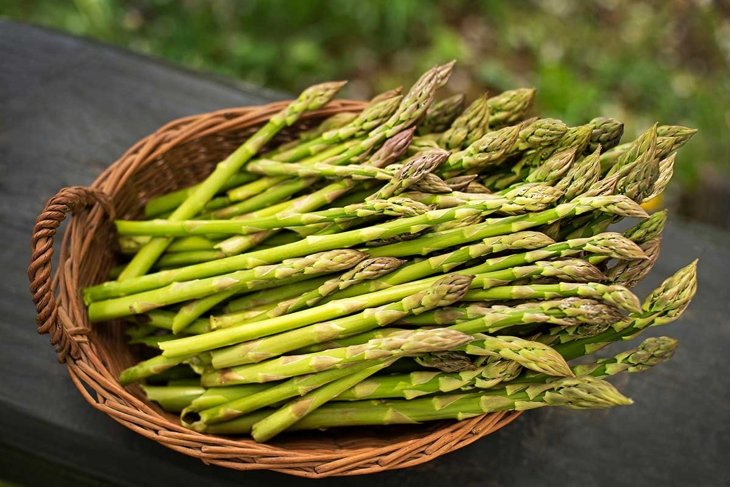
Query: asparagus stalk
{"x":664,"y":305}
{"x":606,"y":134}
{"x":573,"y":393}
{"x":173,"y":398}
{"x":527,"y":197}
{"x":273,"y":295}
{"x":355,"y":171}
{"x":293,"y":412}
{"x":651,"y":352}
{"x":616,"y":295}
{"x":564,"y":313}
{"x":581,"y":176}
{"x":509,"y":107}
{"x":431,"y":183}
{"x":630,"y":272}
{"x":329,"y":144}
{"x":214,"y":396}
{"x":364,"y":271}
{"x":387,"y":348}
{"x":469,"y":126}
{"x":390,"y":150}
{"x":489,"y":149}
{"x":270,"y":394}
{"x":443,"y":292}
{"x":554,"y":167}
{"x":412,"y":171}
{"x":313,"y":243}
{"x":666,"y":171}
{"x":612,"y":244}
{"x":390,"y":207}
{"x":169,"y":201}
{"x":486,"y":319}
{"x":310,"y":99}
{"x":616,"y":204}
{"x":442,"y":114}
{"x":367,"y":269}
{"x":256,"y":278}
{"x":421,"y":383}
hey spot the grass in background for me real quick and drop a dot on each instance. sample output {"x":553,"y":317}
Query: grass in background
{"x":638,"y":61}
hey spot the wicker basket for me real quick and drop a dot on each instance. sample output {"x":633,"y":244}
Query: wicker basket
{"x":177,"y":155}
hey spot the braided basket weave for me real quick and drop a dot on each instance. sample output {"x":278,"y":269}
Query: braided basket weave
{"x":177,"y":155}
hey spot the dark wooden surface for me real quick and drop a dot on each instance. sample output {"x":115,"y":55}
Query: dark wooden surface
{"x":69,"y":107}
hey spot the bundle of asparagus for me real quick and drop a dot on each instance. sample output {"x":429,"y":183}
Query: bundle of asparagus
{"x":417,"y":261}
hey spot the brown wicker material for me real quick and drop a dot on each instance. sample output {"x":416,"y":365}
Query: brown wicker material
{"x":177,"y":155}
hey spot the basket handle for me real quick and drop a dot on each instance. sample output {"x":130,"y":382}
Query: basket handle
{"x":70,"y":199}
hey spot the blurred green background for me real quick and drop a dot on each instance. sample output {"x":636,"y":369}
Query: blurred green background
{"x":639,"y":61}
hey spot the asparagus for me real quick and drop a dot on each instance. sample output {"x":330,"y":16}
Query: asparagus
{"x":573,"y":393}
{"x":364,"y":271}
{"x":431,"y":183}
{"x":150,"y":367}
{"x":269,"y":394}
{"x":441,"y":114}
{"x":644,"y":143}
{"x":391,"y":207}
{"x":377,"y":111}
{"x":564,"y":312}
{"x":458,"y":183}
{"x":664,"y":305}
{"x":581,"y":176}
{"x":527,"y":197}
{"x":264,"y":328}
{"x":273,"y":295}
{"x":574,"y":138}
{"x":616,"y":204}
{"x":172,"y":398}
{"x":310,"y":99}
{"x":169,"y":201}
{"x":355,"y":171}
{"x":666,"y":171}
{"x":608,"y":244}
{"x":540,"y":133}
{"x":510,"y":106}
{"x":443,"y":292}
{"x":606,"y":134}
{"x":553,"y":168}
{"x":387,"y":348}
{"x":215,"y":396}
{"x":489,"y":149}
{"x":265,"y":192}
{"x":671,"y":137}
{"x":421,"y":383}
{"x":616,"y":295}
{"x":162,"y":319}
{"x":630,"y":272}
{"x":293,"y":412}
{"x":611,"y":204}
{"x":651,"y":352}
{"x":469,"y":126}
{"x":390,"y":150}
{"x":252,"y":279}
{"x":412,"y":171}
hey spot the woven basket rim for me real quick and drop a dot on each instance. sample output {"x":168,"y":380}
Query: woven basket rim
{"x":63,"y":316}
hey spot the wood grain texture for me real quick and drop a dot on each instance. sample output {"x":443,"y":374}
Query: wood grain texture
{"x":68,"y":108}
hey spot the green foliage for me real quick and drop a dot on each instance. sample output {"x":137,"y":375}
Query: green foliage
{"x":638,"y":61}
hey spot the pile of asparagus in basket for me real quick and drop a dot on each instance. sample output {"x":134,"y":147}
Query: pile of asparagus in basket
{"x":421,"y":260}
